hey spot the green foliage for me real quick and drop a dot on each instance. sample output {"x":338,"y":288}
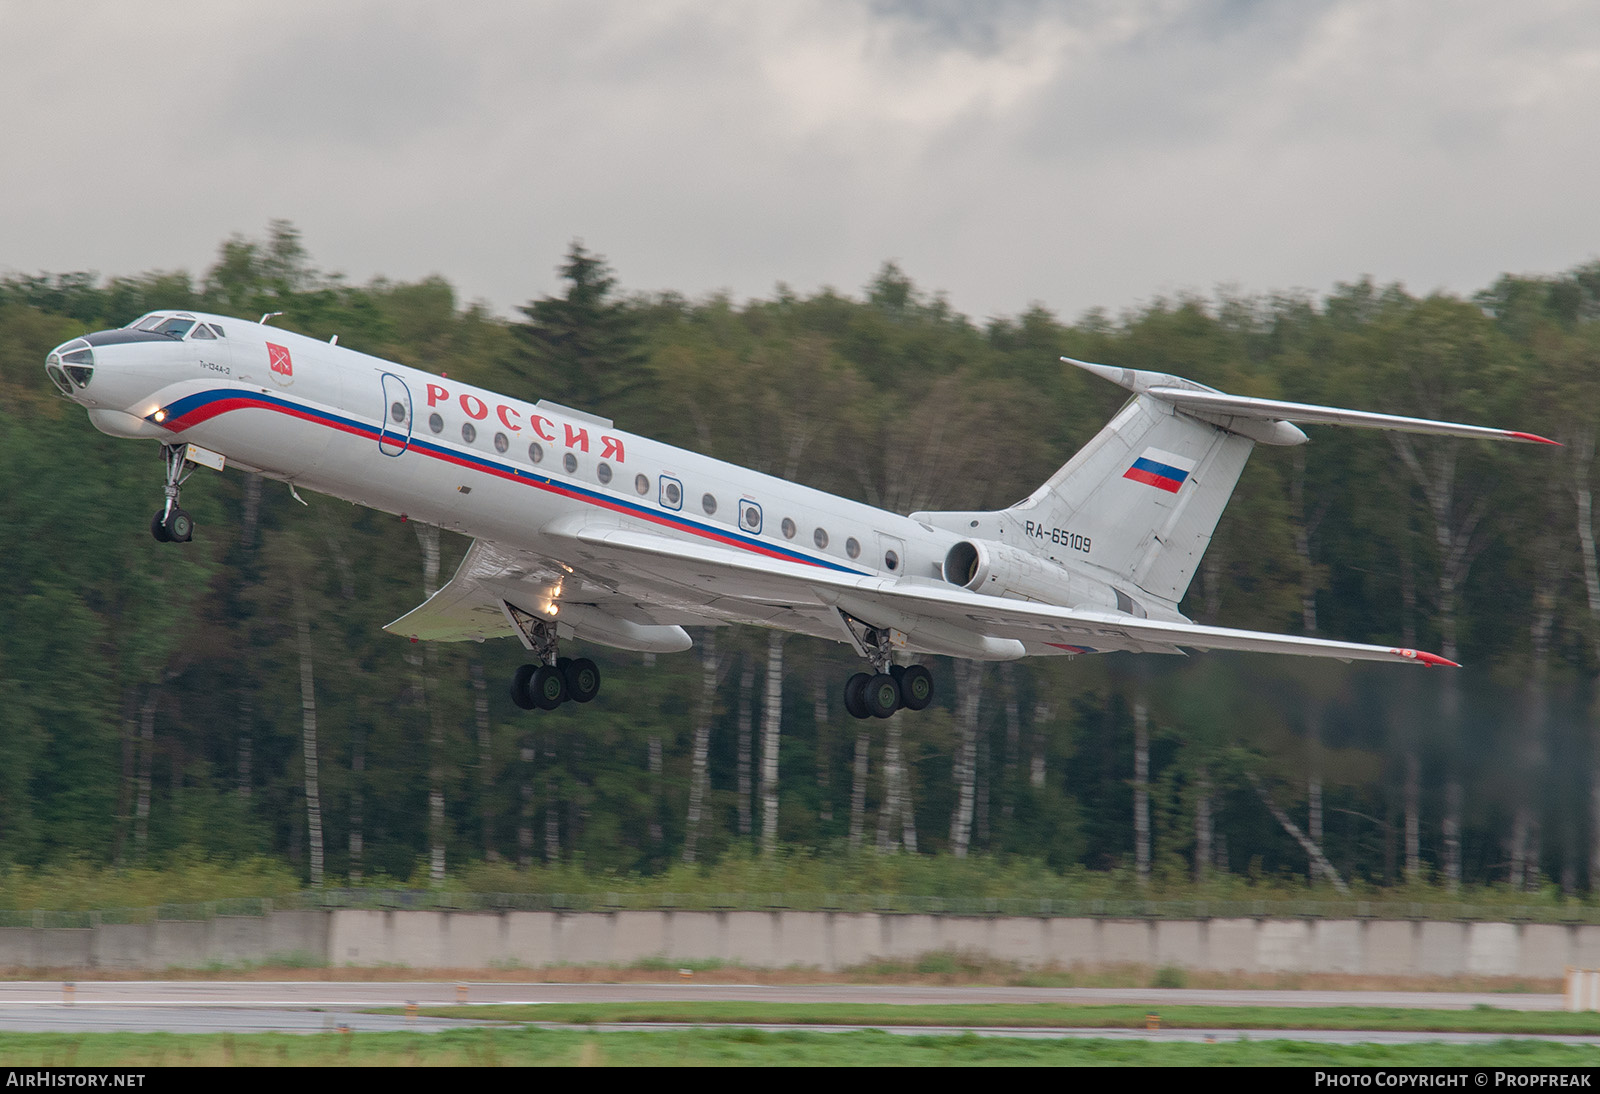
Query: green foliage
{"x":583,"y":349}
{"x":1480,"y":1019}
{"x":1170,"y":976}
{"x":76,"y":885}
{"x":739,"y":1047}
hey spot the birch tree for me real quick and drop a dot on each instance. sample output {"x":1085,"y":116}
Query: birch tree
{"x":308,"y":741}
{"x":771,"y":724}
{"x":426,"y":663}
{"x":711,"y":669}
{"x":969,"y":688}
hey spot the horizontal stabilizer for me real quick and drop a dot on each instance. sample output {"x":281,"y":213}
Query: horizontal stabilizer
{"x":1214,"y":405}
{"x":1240,"y":406}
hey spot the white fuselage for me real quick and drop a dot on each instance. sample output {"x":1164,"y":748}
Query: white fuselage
{"x":443,"y":452}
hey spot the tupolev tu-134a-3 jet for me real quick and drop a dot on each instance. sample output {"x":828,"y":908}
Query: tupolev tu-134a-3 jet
{"x":583,"y":531}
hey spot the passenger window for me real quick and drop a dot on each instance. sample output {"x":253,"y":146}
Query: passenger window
{"x":750,"y":516}
{"x":469,"y":432}
{"x":536,"y":452}
{"x":603,"y":472}
{"x":641,"y":483}
{"x":570,"y":462}
{"x":436,"y":423}
{"x":819,"y":537}
{"x":398,"y":412}
{"x":891,"y":561}
{"x":709,"y":504}
{"x":852,"y":547}
{"x":788,"y":528}
{"x":501,"y":441}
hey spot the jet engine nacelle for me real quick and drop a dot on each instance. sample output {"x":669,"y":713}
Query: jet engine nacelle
{"x":1001,"y":570}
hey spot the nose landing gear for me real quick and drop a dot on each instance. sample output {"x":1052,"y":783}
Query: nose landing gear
{"x":172,"y":524}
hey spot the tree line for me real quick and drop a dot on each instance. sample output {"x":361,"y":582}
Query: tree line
{"x":238,"y":696}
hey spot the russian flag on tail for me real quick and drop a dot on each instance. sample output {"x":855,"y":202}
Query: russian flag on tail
{"x":1163,"y":470}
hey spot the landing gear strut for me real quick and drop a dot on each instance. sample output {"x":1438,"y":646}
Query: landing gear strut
{"x":889,"y":687}
{"x":172,"y":524}
{"x":546,"y":686}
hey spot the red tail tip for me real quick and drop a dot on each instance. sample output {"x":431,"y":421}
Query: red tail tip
{"x":1534,"y":437}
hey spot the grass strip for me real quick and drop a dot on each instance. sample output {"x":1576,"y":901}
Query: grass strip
{"x":1037,"y":1015}
{"x":733,"y":1048}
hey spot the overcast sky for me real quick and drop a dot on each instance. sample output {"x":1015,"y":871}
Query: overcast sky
{"x":1077,"y":154}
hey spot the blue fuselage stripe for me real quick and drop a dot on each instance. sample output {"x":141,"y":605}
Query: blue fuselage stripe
{"x":191,"y":406}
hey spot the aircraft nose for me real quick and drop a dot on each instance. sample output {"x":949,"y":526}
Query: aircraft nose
{"x":70,"y":366}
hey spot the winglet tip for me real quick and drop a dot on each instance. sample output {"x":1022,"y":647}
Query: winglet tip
{"x":1425,"y":658}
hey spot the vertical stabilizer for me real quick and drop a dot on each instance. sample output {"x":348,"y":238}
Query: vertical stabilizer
{"x":1143,"y":497}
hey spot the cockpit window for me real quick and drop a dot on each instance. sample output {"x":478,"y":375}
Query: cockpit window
{"x":150,"y":322}
{"x":175,"y":327}
{"x":202,"y":331}
{"x":216,"y":330}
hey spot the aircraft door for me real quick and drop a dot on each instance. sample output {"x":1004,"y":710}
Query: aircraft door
{"x":394,"y":436}
{"x":891,"y":554}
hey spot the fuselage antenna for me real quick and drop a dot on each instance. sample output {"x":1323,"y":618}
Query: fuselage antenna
{"x":269,"y":315}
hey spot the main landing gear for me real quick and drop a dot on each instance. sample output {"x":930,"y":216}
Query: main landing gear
{"x":172,"y":524}
{"x":878,"y":695}
{"x":888,"y":687}
{"x":548,"y":685}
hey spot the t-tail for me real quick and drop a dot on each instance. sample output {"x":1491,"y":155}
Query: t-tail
{"x":1141,"y":500}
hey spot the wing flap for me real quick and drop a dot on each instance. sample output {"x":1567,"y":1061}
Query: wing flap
{"x":456,"y":613}
{"x":463,"y":610}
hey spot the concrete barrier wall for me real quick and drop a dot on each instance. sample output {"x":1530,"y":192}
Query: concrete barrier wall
{"x":820,"y":940}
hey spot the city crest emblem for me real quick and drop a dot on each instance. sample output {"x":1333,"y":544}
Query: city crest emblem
{"x":281,"y":364}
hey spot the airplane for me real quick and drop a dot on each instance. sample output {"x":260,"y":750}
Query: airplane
{"x":583,"y":531}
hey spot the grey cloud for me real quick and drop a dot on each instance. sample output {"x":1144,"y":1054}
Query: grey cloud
{"x":1081,"y":154}
{"x":365,"y":78}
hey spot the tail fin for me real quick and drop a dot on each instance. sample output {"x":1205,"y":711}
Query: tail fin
{"x":1143,"y":497}
{"x":1141,"y":500}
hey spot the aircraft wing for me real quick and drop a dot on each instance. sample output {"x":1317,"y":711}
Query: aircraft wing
{"x":626,"y":587}
{"x":931,"y":613}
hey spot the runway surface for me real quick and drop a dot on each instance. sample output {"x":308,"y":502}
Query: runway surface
{"x":318,"y":1006}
